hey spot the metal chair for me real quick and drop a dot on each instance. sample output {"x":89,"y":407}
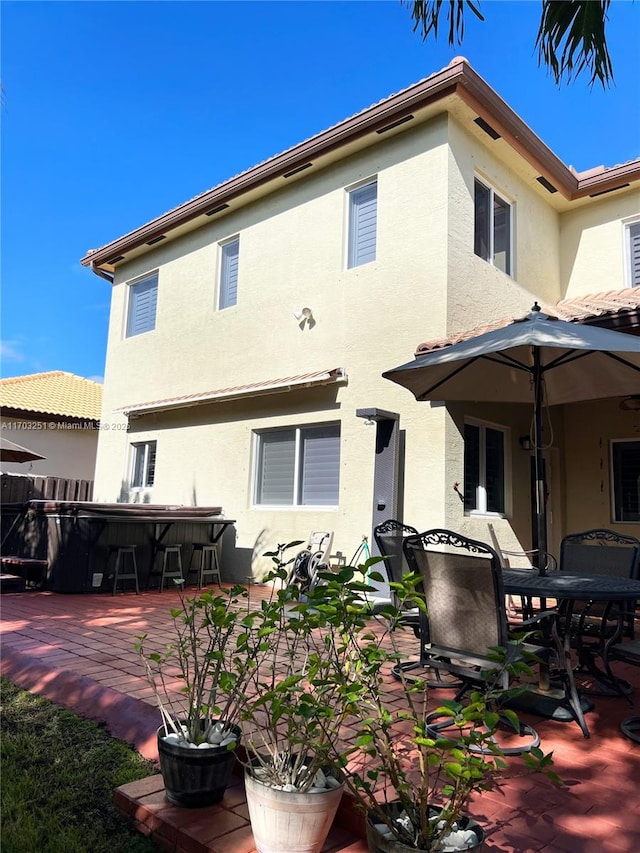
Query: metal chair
{"x":627,"y":652}
{"x":465,"y":601}
{"x":599,"y":552}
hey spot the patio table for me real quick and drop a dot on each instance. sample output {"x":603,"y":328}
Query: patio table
{"x":567,"y":588}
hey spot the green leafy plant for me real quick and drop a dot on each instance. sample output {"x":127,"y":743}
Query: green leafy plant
{"x":208,"y":654}
{"x":396,"y":756}
{"x":292,"y":719}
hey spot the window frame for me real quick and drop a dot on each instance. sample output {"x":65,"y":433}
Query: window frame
{"x":135,"y":448}
{"x":493,"y":193}
{"x":131,"y":286}
{"x":223,"y":283}
{"x":481,"y":489}
{"x":615,"y":502}
{"x":298,"y":467}
{"x":351,"y":260}
{"x":628,"y":255}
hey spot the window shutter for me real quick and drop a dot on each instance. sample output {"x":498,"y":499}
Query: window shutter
{"x":634,"y":249}
{"x":229,"y":274}
{"x":143,"y":299}
{"x":277,"y":468}
{"x":320,"y":466}
{"x":363,"y":204}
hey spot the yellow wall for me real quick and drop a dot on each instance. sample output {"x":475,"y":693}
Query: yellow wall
{"x":425,"y":283}
{"x":69,"y":452}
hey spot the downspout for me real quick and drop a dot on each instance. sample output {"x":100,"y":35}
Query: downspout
{"x":101,"y":273}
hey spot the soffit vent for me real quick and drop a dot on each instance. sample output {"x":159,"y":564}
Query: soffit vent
{"x":546,"y":184}
{"x":397,"y":123}
{"x":297,"y":169}
{"x":217,"y":209}
{"x":484,"y":125}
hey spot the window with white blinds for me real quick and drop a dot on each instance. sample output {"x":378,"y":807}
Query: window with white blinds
{"x":141,"y":311}
{"x":363,"y":220}
{"x":625,"y":470}
{"x":228,"y":291}
{"x":298,"y":467}
{"x":143,"y":465}
{"x":633,"y":243}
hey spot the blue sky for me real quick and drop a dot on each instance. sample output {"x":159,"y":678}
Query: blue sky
{"x":115,"y":112}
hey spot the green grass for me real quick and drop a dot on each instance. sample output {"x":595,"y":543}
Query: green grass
{"x":58,"y":775}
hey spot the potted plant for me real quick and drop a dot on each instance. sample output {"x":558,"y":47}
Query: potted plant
{"x":412,"y":781}
{"x":289,"y":723}
{"x":207,"y":658}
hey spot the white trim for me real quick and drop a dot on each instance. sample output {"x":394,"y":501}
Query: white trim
{"x":494,"y":190}
{"x":626,"y":240}
{"x":127,"y":308}
{"x":295,"y":505}
{"x":481,"y":495}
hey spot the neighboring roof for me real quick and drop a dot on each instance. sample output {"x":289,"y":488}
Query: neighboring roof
{"x":611,"y":306}
{"x":53,"y":393}
{"x":270,"y":386}
{"x":393,"y":114}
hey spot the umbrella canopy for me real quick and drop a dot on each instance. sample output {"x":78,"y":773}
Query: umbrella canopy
{"x":575,"y":362}
{"x":538,"y":359}
{"x":10,"y":452}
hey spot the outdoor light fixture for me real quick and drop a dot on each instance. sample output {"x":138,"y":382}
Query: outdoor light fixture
{"x":525,"y":442}
{"x":304,"y":316}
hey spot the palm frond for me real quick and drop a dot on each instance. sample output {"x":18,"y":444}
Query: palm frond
{"x":426,"y":17}
{"x":572,"y":38}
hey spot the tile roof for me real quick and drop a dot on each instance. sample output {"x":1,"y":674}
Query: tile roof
{"x":53,"y":393}
{"x":302,"y":380}
{"x":578,"y":309}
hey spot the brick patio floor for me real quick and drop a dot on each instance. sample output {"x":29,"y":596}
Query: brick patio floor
{"x":77,"y":650}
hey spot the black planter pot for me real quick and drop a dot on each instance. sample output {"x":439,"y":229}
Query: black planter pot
{"x":194,"y":778}
{"x":378,"y":843}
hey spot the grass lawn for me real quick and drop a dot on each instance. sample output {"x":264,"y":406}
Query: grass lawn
{"x":58,"y":774}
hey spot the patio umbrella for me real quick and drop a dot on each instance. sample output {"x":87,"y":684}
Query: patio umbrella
{"x":537,"y":359}
{"x":10,"y":452}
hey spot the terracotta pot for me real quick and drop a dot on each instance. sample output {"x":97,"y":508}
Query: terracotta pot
{"x":377,"y":843}
{"x":194,"y":778}
{"x":289,"y":822}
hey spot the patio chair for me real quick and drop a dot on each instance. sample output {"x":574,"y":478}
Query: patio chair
{"x":389,"y":537}
{"x":526,"y":561}
{"x":465,"y":601}
{"x":627,"y":652}
{"x":599,"y":552}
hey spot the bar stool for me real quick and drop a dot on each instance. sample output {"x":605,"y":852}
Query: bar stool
{"x":209,"y":565}
{"x":123,"y":552}
{"x":169,"y":551}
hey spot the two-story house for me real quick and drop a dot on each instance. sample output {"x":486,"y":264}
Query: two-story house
{"x":250,"y":328}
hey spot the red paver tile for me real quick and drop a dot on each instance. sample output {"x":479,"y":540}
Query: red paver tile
{"x":78,"y":651}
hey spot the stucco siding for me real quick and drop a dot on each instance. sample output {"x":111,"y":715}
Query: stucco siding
{"x":593,"y":245}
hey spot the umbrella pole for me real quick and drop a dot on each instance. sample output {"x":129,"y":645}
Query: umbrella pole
{"x":540,"y":497}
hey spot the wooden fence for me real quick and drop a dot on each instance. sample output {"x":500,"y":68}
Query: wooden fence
{"x":20,"y":488}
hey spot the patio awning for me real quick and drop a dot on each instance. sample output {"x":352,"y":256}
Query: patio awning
{"x":238,"y":392}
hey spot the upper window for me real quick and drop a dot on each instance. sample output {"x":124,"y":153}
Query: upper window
{"x":228,"y":292}
{"x":625,"y":470}
{"x":143,"y":465}
{"x":143,"y":298}
{"x":484,"y":468}
{"x":492,"y":233}
{"x":363,"y":217}
{"x":633,"y":256}
{"x":298,"y":467}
